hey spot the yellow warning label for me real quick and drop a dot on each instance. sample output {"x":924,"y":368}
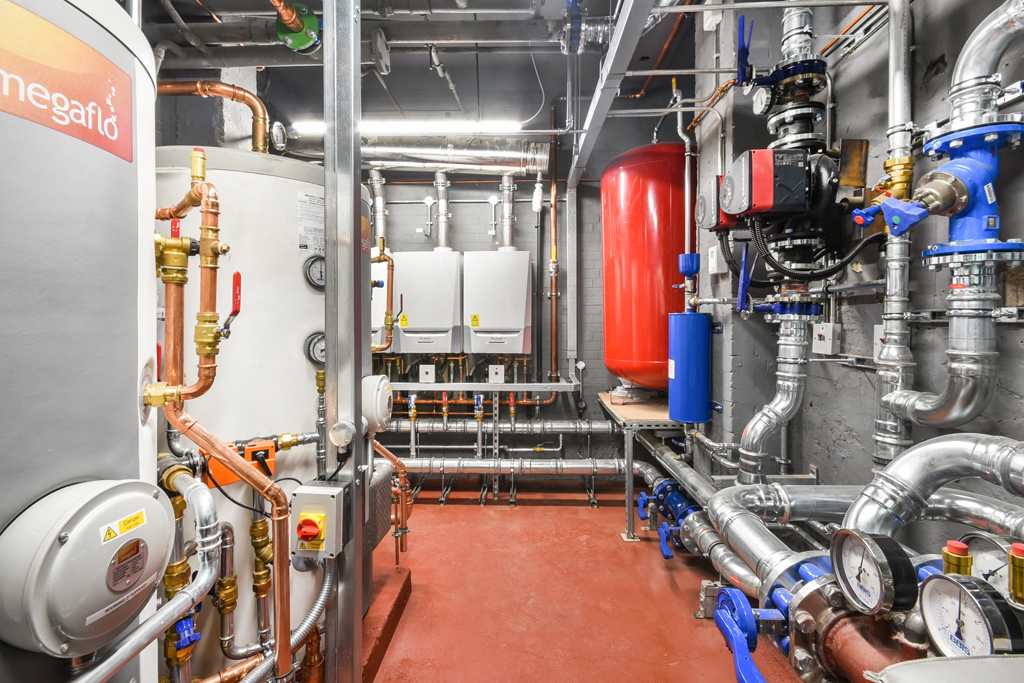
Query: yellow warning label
{"x":132,"y":521}
{"x":316,"y":546}
{"x":474,"y":320}
{"x":109,"y":534}
{"x":403,"y":321}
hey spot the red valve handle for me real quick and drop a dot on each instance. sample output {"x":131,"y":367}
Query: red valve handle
{"x":236,"y":294}
{"x":307,"y":529}
{"x":159,"y":361}
{"x":175,"y":227}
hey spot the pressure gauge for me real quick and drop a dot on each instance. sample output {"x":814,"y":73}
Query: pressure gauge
{"x":874,"y":571}
{"x":965,"y":617}
{"x":315,"y":348}
{"x":762,"y":101}
{"x":991,"y":558}
{"x":315,"y":271}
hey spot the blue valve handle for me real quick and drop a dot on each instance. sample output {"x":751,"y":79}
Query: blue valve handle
{"x":899,"y":215}
{"x":743,"y":38}
{"x":641,"y":505}
{"x":865,"y":217}
{"x":744,"y":284}
{"x":188,"y":635}
{"x":735,"y":619}
{"x":664,"y":536}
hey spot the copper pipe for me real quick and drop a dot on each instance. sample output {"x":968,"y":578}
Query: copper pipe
{"x":856,"y":644}
{"x":389,"y":305}
{"x":642,"y":92}
{"x":404,"y":500}
{"x":233,"y":673}
{"x":288,"y":16}
{"x":825,"y":51}
{"x":312,"y":668}
{"x":714,"y":99}
{"x":260,"y":118}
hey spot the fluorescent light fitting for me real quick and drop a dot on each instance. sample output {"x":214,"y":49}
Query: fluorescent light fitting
{"x":386,"y":127}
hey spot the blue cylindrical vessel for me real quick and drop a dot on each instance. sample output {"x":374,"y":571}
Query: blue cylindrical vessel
{"x":689,"y":367}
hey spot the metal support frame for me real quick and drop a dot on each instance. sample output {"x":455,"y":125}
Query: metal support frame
{"x":628,"y":29}
{"x":347,"y":320}
{"x":571,"y":269}
{"x":764,"y":4}
{"x":628,"y":442}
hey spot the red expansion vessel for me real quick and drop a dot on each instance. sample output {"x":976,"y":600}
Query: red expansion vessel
{"x":642,"y":228}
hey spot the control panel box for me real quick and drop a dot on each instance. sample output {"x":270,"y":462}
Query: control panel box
{"x":827,"y":338}
{"x":318,"y":520}
{"x":428,"y":289}
{"x":497,"y":310}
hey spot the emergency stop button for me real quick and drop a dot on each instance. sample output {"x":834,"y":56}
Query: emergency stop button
{"x":310,"y":527}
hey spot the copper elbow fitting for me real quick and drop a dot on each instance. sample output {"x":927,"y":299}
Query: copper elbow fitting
{"x":311,"y":670}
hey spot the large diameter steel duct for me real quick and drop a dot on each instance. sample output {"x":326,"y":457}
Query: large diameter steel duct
{"x":899,"y":494}
{"x":791,"y":379}
{"x":516,"y":159}
{"x":971,"y":371}
{"x":434,"y":426}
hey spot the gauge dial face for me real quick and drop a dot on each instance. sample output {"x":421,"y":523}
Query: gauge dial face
{"x":315,"y":272}
{"x":956,"y":622}
{"x":991,"y":562}
{"x":762,"y":101}
{"x":863,"y":573}
{"x":315,"y":348}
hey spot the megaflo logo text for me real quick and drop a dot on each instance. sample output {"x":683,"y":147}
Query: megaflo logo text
{"x":54,"y":79}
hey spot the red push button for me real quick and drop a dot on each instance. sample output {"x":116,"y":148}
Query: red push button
{"x":956,"y":548}
{"x":308,"y":530}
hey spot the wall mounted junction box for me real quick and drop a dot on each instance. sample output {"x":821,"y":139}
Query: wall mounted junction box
{"x":318,"y":520}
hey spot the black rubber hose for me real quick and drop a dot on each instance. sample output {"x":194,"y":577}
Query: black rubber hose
{"x":723,"y":244}
{"x":810,"y":275}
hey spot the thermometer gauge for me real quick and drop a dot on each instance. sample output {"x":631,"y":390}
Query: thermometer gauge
{"x":315,"y":272}
{"x":991,"y":559}
{"x":874,"y":571}
{"x":966,"y":617}
{"x":315,"y":348}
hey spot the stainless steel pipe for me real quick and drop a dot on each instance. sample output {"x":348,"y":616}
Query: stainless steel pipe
{"x":698,"y":488}
{"x":527,"y":467}
{"x":899,"y":494}
{"x":507,"y":189}
{"x":444,"y":215}
{"x":791,"y":380}
{"x":971,"y":370}
{"x":981,"y":512}
{"x":980,"y":55}
{"x":722,"y":558}
{"x":380,"y":211}
{"x":467,"y":426}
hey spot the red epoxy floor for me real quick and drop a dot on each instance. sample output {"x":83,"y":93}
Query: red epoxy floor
{"x":548,"y":591}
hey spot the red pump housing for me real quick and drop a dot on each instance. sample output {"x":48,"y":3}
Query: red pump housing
{"x":642,"y":229}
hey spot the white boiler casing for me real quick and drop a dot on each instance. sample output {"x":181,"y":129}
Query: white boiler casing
{"x":428,"y":283}
{"x":272,"y":218}
{"x":497,"y":290}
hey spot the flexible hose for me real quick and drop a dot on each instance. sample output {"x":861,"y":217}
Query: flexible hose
{"x":726,"y":248}
{"x":810,"y":275}
{"x":305,"y":627}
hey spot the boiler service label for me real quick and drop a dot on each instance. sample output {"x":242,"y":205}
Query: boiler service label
{"x":52,"y":78}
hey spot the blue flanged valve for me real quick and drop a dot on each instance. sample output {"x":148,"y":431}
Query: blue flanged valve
{"x":641,"y":505}
{"x":187,"y":633}
{"x":735,"y":619}
{"x":666,"y":539}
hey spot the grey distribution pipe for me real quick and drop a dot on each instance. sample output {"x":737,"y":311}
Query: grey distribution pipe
{"x":724,"y":560}
{"x":981,"y":512}
{"x":507,"y":188}
{"x":718,"y":451}
{"x":207,"y":536}
{"x":746,"y":534}
{"x":227,"y":620}
{"x":300,"y":633}
{"x":973,"y":91}
{"x":899,"y":493}
{"x":971,"y":370}
{"x":791,"y":380}
{"x":526,"y":467}
{"x":517,"y":158}
{"x":468,"y":426}
{"x":698,"y":488}
{"x":690,"y":158}
{"x":441,"y":185}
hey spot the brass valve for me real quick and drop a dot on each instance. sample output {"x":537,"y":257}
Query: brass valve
{"x":160,"y":394}
{"x":901,"y":176}
{"x":321,"y":382}
{"x":207,"y":334}
{"x":198,"y":165}
{"x":176,"y":577}
{"x":172,"y":258}
{"x":263,"y":552}
{"x":1016,"y":584}
{"x":956,"y":559}
{"x":287,"y":440}
{"x":226,"y":594}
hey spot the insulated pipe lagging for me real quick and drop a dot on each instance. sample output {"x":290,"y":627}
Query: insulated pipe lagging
{"x":899,"y":494}
{"x":791,"y":380}
{"x":380,"y":211}
{"x":508,"y":191}
{"x":444,"y":216}
{"x":971,"y":371}
{"x":207,"y":537}
{"x":266,"y":668}
{"x":484,"y":157}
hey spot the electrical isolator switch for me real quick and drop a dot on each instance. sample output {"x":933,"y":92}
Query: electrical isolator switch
{"x":827,"y":338}
{"x":495,"y":374}
{"x":318,"y":520}
{"x":427,"y":374}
